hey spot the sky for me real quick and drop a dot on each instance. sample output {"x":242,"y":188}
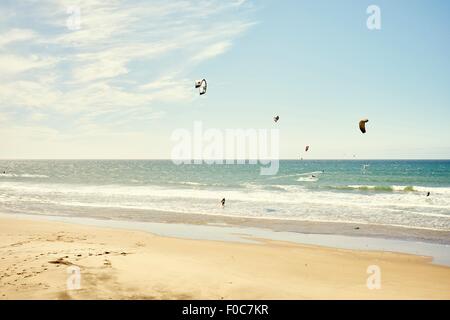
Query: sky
{"x":119,"y":84}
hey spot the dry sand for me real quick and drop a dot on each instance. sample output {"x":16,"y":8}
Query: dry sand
{"x":122,"y":264}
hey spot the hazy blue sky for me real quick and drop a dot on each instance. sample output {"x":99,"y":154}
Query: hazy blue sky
{"x":121,"y":84}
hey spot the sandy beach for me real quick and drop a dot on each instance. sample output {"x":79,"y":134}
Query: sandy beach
{"x":127,"y":264}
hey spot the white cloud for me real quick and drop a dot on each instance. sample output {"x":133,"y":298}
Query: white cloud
{"x":170,"y":88}
{"x":212,"y":51}
{"x":102,"y":69}
{"x":29,"y":94}
{"x":12,"y":64}
{"x":16,"y":35}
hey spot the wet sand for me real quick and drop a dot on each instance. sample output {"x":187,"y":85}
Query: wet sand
{"x":278,"y":225}
{"x":125,"y":264}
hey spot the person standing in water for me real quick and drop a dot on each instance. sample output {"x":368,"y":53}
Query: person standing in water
{"x":223,"y":202}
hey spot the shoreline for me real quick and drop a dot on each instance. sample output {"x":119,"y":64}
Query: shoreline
{"x":126,"y":264}
{"x":354,"y":229}
{"x":439,"y":253}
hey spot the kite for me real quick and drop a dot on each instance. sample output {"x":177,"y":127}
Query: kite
{"x":362,"y":125}
{"x":201,"y":85}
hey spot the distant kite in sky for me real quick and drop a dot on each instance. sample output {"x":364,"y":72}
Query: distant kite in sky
{"x":307,"y":148}
{"x":276,"y":118}
{"x":362,"y":125}
{"x":201,"y":85}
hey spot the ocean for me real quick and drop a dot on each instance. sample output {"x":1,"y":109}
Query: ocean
{"x":378,"y":192}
